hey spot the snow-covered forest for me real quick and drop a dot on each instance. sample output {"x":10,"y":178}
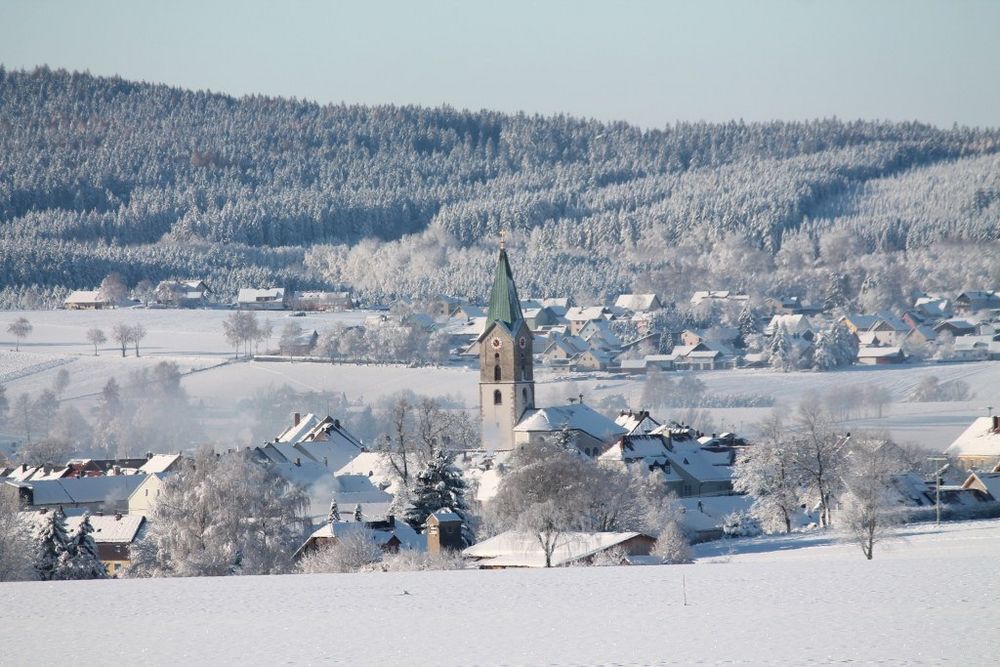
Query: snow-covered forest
{"x":102,"y":174}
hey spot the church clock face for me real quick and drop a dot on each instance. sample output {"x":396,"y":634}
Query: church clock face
{"x":522,"y":342}
{"x":496,"y":343}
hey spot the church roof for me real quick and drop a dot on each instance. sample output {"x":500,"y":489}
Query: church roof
{"x":505,"y":306}
{"x":575,"y":416}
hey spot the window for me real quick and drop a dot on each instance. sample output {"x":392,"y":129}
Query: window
{"x":497,"y":398}
{"x":496,"y":373}
{"x":524,"y":393}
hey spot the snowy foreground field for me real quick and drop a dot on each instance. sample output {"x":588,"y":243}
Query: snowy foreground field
{"x":930,"y":597}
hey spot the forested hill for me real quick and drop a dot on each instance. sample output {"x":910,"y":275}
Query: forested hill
{"x":102,"y":174}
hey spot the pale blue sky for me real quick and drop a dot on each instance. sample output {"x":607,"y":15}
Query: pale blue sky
{"x":649,"y":63}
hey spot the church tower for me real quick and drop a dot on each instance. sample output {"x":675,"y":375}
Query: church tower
{"x":506,"y":370}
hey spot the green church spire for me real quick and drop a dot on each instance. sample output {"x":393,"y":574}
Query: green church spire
{"x":505,"y":307}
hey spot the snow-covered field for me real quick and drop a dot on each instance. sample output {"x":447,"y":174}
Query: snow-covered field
{"x":930,"y":599}
{"x":194,"y":339}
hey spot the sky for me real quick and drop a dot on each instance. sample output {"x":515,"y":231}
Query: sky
{"x":648,"y":63}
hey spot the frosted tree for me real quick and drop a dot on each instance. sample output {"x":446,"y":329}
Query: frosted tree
{"x":121,"y":333}
{"x":96,"y":338}
{"x":817,"y":456}
{"x":439,"y":485}
{"x":222,"y":515}
{"x":766,"y":473}
{"x":781,"y":350}
{"x":61,"y":382}
{"x":868,"y":513}
{"x":16,"y":543}
{"x":358,"y":515}
{"x":144,"y":291}
{"x":747,"y":324}
{"x":51,"y":542}
{"x":826,"y":356}
{"x":672,"y":545}
{"x":351,"y":551}
{"x":291,"y":334}
{"x":137,"y":334}
{"x":80,"y":560}
{"x":113,"y":289}
{"x":20,"y":328}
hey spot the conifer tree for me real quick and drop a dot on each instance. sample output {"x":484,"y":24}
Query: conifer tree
{"x":84,"y":563}
{"x":52,"y":543}
{"x":357,"y":513}
{"x":438,"y":486}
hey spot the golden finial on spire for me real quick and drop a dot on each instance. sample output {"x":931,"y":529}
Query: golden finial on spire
{"x":503,"y":239}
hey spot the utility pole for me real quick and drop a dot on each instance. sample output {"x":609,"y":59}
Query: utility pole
{"x":937,"y":486}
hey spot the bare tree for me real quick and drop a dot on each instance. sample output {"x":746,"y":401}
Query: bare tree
{"x":19,"y":328}
{"x":817,"y":455}
{"x":868,"y":514}
{"x":144,"y":291}
{"x":96,"y":338}
{"x":137,"y":334}
{"x":122,"y":334}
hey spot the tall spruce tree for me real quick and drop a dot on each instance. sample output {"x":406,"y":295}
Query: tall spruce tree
{"x":83,"y":561}
{"x":439,"y":485}
{"x":52,"y":543}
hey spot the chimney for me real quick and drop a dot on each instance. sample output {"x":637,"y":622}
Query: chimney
{"x":298,"y":461}
{"x":296,"y":418}
{"x":996,"y":423}
{"x":581,"y":399}
{"x":149,"y":455}
{"x":336,"y":423}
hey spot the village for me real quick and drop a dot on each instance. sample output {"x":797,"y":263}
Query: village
{"x":430,"y":495}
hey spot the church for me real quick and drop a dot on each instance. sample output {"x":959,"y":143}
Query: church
{"x":507,"y":382}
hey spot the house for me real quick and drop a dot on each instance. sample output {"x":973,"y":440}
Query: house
{"x":987,"y":483}
{"x":564,"y":349}
{"x":638,"y":303}
{"x":577,"y":317}
{"x":689,"y":468}
{"x":717,"y":296}
{"x":979,"y":445}
{"x":933,"y":308}
{"x":857,"y":322}
{"x":594,"y":359}
{"x":390,"y":535}
{"x":323,"y":441}
{"x":702,"y":518}
{"x":879,"y":356}
{"x":632,"y":366}
{"x":105,"y":493}
{"x":782,"y":305}
{"x":956,"y":327}
{"x":443,"y":306}
{"x":161,"y":463}
{"x":142,"y":500}
{"x":523,"y":549}
{"x":921,"y":335}
{"x":182,"y":293}
{"x":598,"y":334}
{"x":590,"y":430}
{"x":322,"y":301}
{"x":114,"y":536}
{"x":443,"y":531}
{"x":86,"y":300}
{"x":888,"y":330}
{"x":301,"y":344}
{"x":269,"y":298}
{"x":637,"y":422}
{"x":972,"y":348}
{"x":540,"y":317}
{"x":797,"y":326}
{"x":971,"y":302}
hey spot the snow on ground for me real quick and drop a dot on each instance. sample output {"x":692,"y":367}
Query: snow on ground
{"x":194,"y":339}
{"x":931,"y":599}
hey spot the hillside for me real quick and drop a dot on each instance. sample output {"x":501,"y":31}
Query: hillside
{"x":928,"y":598}
{"x":102,"y":174}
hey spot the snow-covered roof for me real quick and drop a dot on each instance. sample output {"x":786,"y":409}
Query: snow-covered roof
{"x":981,"y":438}
{"x":793,"y":324}
{"x":703,"y":465}
{"x":160,"y":463}
{"x":252,"y":295}
{"x":584,"y":314}
{"x":878,"y":352}
{"x":636,"y":302}
{"x":521,"y":549}
{"x":575,"y":416}
{"x":706,"y":513}
{"x":446,"y":515}
{"x":408,"y":538}
{"x":110,"y":528}
{"x":88,"y":297}
{"x":636,"y":422}
{"x":82,"y":489}
{"x":988,"y":481}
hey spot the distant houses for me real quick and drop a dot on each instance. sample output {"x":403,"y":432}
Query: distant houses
{"x":269,"y":298}
{"x":191,"y":293}
{"x":86,"y":300}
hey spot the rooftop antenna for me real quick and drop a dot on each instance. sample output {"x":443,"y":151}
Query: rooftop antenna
{"x":989,"y":410}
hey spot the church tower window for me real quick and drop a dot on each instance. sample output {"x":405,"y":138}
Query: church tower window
{"x":496,"y":373}
{"x":497,"y":397}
